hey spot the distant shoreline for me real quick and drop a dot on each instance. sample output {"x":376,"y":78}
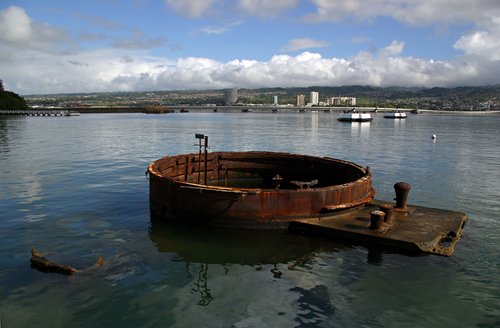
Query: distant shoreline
{"x":185,"y":109}
{"x":459,"y":112}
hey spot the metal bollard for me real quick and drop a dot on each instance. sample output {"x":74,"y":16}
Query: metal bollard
{"x":377,"y":220}
{"x":387,"y":209}
{"x":402,"y":189}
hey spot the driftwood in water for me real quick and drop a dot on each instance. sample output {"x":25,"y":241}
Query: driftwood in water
{"x":45,"y":265}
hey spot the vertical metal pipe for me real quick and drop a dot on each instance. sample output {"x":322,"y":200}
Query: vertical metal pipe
{"x":206,"y":147}
{"x":376,"y":220}
{"x":387,"y":209}
{"x":199,"y":161}
{"x":402,"y":189}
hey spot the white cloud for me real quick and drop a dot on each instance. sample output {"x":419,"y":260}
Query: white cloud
{"x":192,"y":8}
{"x":107,"y":70}
{"x":199,"y":8}
{"x":137,"y":40}
{"x":15,"y":25}
{"x":100,"y":22}
{"x":360,"y":39}
{"x":303,"y":43}
{"x":31,"y":60}
{"x":266,"y":7}
{"x":481,"y":44}
{"x":17,"y":28}
{"x":394,"y":49}
{"x":416,"y":12}
{"x":220,"y":29}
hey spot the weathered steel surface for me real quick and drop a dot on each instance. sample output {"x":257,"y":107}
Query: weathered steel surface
{"x":417,"y":228}
{"x":242,"y":189}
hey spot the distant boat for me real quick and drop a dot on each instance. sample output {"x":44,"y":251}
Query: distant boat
{"x":355,"y":117}
{"x":246,"y":110}
{"x":395,"y":115}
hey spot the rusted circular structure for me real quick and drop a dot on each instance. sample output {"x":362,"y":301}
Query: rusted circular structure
{"x":254,"y":189}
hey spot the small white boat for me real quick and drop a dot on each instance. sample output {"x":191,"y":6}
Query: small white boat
{"x":395,"y":115}
{"x":355,"y":117}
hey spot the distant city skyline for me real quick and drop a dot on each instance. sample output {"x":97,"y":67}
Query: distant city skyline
{"x":58,"y":46}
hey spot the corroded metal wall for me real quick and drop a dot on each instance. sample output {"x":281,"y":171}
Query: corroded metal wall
{"x":178,"y":191}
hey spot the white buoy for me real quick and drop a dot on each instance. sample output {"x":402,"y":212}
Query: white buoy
{"x":434,"y":136}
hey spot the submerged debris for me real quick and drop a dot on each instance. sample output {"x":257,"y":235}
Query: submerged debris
{"x":43,"y":264}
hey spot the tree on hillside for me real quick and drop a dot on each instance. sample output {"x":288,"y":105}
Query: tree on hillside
{"x":10,"y":100}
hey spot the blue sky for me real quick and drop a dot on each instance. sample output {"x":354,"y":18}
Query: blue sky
{"x":133,"y":45}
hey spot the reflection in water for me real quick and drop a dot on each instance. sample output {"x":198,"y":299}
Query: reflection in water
{"x":314,"y":306}
{"x":399,"y":122}
{"x":360,"y":127}
{"x":314,"y":123}
{"x":10,"y":128}
{"x":202,"y":247}
{"x":201,"y":286}
{"x":374,"y":256}
{"x":214,"y":246}
{"x":280,"y":254}
{"x":85,"y":186}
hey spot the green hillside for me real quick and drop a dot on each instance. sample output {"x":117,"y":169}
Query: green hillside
{"x":10,"y":100}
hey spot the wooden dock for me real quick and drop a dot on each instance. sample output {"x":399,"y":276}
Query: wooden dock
{"x":415,"y":229}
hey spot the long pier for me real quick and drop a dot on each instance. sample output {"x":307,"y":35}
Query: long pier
{"x":41,"y":112}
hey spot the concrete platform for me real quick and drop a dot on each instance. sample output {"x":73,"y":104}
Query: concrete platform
{"x":415,"y":228}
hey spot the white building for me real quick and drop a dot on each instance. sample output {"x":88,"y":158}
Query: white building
{"x":231,"y":96}
{"x":342,"y":101}
{"x":301,"y":100}
{"x":275,"y":100}
{"x":314,"y":98}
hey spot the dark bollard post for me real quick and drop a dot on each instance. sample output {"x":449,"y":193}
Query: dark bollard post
{"x":402,"y":189}
{"x":387,"y":209}
{"x":377,"y":220}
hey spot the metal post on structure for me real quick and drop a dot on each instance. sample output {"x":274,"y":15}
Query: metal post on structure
{"x":205,"y":145}
{"x":199,"y":137}
{"x":206,"y":164}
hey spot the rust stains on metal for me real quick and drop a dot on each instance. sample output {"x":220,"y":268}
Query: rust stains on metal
{"x":402,"y":189}
{"x":255,"y":189}
{"x":417,"y":229}
{"x":303,"y":193}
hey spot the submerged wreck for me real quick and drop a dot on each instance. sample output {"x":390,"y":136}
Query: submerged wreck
{"x":255,"y":189}
{"x":307,"y":194}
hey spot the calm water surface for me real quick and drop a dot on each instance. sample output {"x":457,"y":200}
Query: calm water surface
{"x":75,"y":188}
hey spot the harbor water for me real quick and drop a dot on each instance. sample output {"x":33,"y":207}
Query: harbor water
{"x":75,"y":188}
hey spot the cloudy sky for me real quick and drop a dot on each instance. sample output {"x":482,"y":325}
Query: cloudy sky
{"x":55,"y":46}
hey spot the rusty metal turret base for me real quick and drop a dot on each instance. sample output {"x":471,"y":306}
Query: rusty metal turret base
{"x":415,"y":228}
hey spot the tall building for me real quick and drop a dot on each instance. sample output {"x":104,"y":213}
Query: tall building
{"x":342,"y":101}
{"x":314,"y":98}
{"x":231,"y":96}
{"x":301,"y":100}
{"x":275,"y":100}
